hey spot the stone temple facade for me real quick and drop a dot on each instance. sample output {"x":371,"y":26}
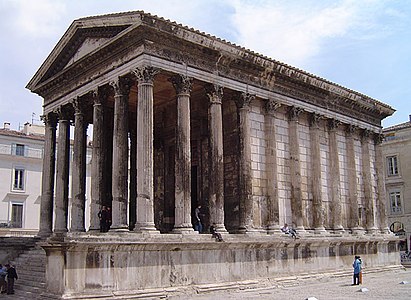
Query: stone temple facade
{"x":179,"y":119}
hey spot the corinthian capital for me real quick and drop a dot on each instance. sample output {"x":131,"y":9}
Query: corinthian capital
{"x":271,"y":106}
{"x":214,"y":93}
{"x":378,"y":138}
{"x":121,"y":86}
{"x":315,"y":120}
{"x":294,"y":112}
{"x":244,"y":100}
{"x":333,"y":124}
{"x":182,"y":84}
{"x":145,"y":74}
{"x":49,"y":120}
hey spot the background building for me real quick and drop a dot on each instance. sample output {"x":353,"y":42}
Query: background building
{"x":397,"y":153}
{"x":21,"y":163}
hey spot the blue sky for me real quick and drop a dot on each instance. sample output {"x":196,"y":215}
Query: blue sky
{"x":364,"y":45}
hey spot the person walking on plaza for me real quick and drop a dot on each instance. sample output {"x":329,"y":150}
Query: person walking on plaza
{"x":11,"y":276}
{"x":3,"y":273}
{"x":357,"y":270}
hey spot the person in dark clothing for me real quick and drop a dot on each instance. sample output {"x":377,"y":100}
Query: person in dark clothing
{"x":215,"y":234}
{"x":357,"y":270}
{"x":11,"y":276}
{"x":109,"y":218}
{"x":103,"y":215}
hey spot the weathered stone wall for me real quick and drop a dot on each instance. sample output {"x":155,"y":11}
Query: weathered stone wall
{"x":91,"y":266}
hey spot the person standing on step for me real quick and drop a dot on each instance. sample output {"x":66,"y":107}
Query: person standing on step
{"x":357,"y":270}
{"x":197,"y":213}
{"x":3,"y":273}
{"x":11,"y":277}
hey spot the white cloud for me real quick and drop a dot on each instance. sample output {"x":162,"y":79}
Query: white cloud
{"x":295,"y":31}
{"x":38,"y":18}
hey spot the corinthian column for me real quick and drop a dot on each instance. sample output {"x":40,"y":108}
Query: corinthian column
{"x":47,"y":185}
{"x":335,"y":176}
{"x":366,"y":171}
{"x":62,"y":173}
{"x":145,"y":135}
{"x":352,"y":182}
{"x":78,"y":197}
{"x":97,"y":161}
{"x":243,"y":101}
{"x":120,"y":155}
{"x":381,"y":202}
{"x":273,"y":225}
{"x":316,"y":182}
{"x":182,"y":221}
{"x":295,"y":169}
{"x":216,"y":200}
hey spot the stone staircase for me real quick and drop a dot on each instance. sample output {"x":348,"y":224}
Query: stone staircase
{"x":30,"y":267}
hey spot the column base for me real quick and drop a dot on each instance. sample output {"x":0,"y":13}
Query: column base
{"x":250,"y":231}
{"x":274,"y":230}
{"x":372,"y":230}
{"x":120,"y":229}
{"x":145,"y":228}
{"x":320,"y":230}
{"x":184,"y":230}
{"x":221,"y":228}
{"x":358,"y":231}
{"x":339,"y":229}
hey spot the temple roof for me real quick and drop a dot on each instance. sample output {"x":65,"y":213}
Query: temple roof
{"x":87,"y":36}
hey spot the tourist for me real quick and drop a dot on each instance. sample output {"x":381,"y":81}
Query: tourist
{"x":289,"y":231}
{"x":103,"y":216}
{"x":198,"y":226}
{"x":3,"y":273}
{"x":357,"y":270}
{"x":11,"y":276}
{"x":215,"y":234}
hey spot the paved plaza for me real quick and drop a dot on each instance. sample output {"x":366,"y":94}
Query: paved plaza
{"x":385,"y":286}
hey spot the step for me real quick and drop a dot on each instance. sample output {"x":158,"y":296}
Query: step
{"x":30,"y":283}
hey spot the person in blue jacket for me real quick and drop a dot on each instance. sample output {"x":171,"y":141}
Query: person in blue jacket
{"x":357,"y":269}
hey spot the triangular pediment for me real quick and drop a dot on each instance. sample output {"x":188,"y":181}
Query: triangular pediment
{"x":83,"y":37}
{"x":89,"y":45}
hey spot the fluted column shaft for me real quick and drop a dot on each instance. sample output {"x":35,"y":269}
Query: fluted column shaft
{"x":335,"y":207}
{"x":243,"y":102}
{"x":62,"y":173}
{"x":366,"y":171}
{"x":182,"y":220}
{"x":216,"y":199}
{"x":318,"y":216}
{"x":145,"y":163}
{"x":133,"y":179}
{"x":381,"y":200}
{"x":295,"y":169}
{"x":352,"y":181}
{"x":47,"y":186}
{"x":97,"y":162}
{"x":273,"y":217}
{"x":120,"y":156}
{"x":78,"y":198}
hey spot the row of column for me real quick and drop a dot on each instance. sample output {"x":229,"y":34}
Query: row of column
{"x":297,"y":208}
{"x":143,"y":147}
{"x":143,"y":144}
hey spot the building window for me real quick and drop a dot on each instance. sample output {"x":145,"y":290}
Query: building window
{"x":395,"y":201}
{"x":19,"y":150}
{"x":16,"y":215}
{"x":18,"y":182}
{"x":392,"y":164}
